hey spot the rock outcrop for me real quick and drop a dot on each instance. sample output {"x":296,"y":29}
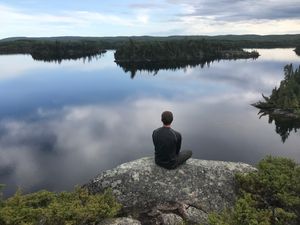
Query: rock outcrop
{"x":120,"y":221}
{"x":190,"y":191}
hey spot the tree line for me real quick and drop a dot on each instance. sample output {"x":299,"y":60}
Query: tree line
{"x":74,"y":47}
{"x":243,"y":41}
{"x":53,"y":50}
{"x":179,"y":50}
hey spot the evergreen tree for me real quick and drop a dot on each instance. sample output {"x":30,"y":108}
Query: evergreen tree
{"x":269,"y":196}
{"x":287,"y":96}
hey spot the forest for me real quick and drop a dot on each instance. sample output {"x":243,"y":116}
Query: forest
{"x":152,"y":56}
{"x":53,"y":50}
{"x":183,"y":50}
{"x":243,"y":41}
{"x":161,"y":52}
{"x":57,"y":48}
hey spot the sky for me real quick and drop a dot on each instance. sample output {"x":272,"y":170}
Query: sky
{"x":42,"y":18}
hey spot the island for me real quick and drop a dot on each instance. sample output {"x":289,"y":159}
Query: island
{"x":53,"y":50}
{"x":184,"y":50}
{"x":284,"y":100}
{"x":174,"y":54}
{"x":283,"y":105}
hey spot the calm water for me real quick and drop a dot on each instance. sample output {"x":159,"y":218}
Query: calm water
{"x":61,"y":124}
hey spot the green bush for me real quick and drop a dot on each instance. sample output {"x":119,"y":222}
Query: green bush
{"x":65,"y":208}
{"x":270,"y":196}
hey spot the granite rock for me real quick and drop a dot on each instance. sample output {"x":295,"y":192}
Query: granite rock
{"x":141,"y":185}
{"x":120,"y":221}
{"x":171,"y":219}
{"x":195,"y":216}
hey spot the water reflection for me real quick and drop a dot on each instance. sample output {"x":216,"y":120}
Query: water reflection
{"x":58,"y":58}
{"x":283,"y":125}
{"x":154,"y":67}
{"x":277,"y":54}
{"x":62,"y":124}
{"x":64,"y":147}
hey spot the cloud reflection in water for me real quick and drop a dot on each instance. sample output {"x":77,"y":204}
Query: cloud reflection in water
{"x":107,"y":118}
{"x":66,"y":147}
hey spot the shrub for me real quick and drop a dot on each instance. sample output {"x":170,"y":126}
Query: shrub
{"x":65,"y":208}
{"x":270,"y":196}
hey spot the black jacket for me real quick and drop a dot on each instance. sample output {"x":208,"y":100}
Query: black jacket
{"x":167,"y":144}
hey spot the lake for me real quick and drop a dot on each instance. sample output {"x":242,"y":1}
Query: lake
{"x":63,"y":123}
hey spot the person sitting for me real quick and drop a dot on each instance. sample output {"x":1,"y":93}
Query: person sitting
{"x":167,"y":144}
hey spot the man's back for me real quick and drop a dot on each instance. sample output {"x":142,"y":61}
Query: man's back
{"x":167,"y":144}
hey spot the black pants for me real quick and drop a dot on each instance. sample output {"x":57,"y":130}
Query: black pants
{"x":183,"y":156}
{"x":180,"y":159}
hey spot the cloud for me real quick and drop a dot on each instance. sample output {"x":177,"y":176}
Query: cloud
{"x":237,"y":10}
{"x":143,"y":18}
{"x":195,"y":25}
{"x":64,"y":22}
{"x":146,"y":5}
{"x":96,"y":17}
{"x":170,"y":17}
{"x":237,"y":17}
{"x":23,"y":22}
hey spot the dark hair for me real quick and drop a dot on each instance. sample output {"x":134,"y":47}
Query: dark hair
{"x":167,"y":117}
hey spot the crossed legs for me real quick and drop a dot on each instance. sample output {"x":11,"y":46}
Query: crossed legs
{"x":183,"y":156}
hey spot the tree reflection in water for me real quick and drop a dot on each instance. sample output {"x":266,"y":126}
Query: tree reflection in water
{"x":284,"y":124}
{"x":58,"y":58}
{"x":154,"y":67}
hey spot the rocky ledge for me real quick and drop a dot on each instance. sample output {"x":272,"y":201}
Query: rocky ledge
{"x":155,"y":195}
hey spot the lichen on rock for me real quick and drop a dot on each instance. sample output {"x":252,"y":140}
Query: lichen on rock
{"x":120,"y":221}
{"x":141,"y":186}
